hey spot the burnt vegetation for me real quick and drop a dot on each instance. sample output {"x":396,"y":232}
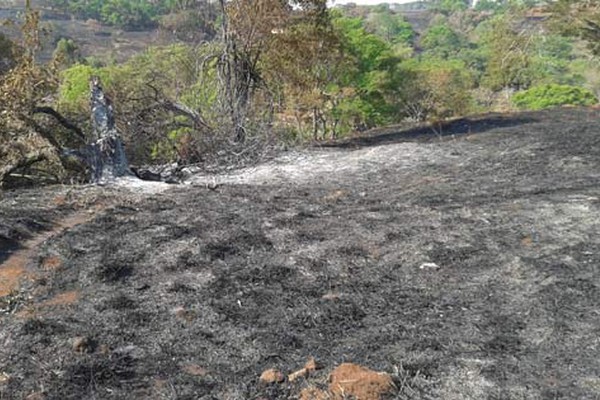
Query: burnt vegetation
{"x":362,"y":185}
{"x":465,"y":268}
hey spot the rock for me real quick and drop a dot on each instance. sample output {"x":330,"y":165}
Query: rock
{"x":355,"y":381}
{"x":271,"y":376}
{"x":429,"y":265}
{"x":331,"y":296}
{"x":311,"y":365}
{"x":83,"y":344}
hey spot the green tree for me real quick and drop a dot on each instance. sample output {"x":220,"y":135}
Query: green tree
{"x":507,"y":47}
{"x":389,"y":26}
{"x":372,"y":75}
{"x":436,"y":89}
{"x":442,"y":41}
{"x":132,"y":14}
{"x":552,"y":61}
{"x":580,"y":18}
{"x":164,"y":100}
{"x":66,"y":53}
{"x":251,"y":34}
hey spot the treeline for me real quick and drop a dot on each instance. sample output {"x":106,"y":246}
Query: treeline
{"x":291,"y":72}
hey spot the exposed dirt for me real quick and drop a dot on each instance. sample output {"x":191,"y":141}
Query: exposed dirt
{"x":465,"y":267}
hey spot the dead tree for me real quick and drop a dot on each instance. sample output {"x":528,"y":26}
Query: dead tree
{"x":106,"y":154}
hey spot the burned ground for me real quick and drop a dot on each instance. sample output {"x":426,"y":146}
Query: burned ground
{"x":466,"y":267}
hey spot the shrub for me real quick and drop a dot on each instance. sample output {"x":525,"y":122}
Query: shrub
{"x":553,"y":95}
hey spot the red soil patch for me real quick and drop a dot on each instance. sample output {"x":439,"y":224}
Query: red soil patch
{"x":13,"y":270}
{"x":270,"y":376}
{"x":360,"y":382}
{"x":312,"y":393}
{"x":51,"y":263}
{"x":62,"y":299}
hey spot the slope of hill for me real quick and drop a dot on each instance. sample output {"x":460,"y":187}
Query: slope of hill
{"x":92,"y":38}
{"x":466,"y":267}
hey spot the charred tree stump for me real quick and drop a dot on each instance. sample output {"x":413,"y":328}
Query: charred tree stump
{"x":107,"y":157}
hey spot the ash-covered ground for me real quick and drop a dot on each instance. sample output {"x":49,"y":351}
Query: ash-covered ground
{"x":466,"y":267}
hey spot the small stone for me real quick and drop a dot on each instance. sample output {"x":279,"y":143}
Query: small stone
{"x":270,"y":376}
{"x":311,"y":365}
{"x":4,"y":378}
{"x":331,"y":296}
{"x":429,"y":266}
{"x":82,"y":344}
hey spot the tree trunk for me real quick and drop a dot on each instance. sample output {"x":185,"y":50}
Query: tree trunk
{"x":106,"y":155}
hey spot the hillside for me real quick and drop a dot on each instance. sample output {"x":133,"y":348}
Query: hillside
{"x":93,"y":39}
{"x":465,"y":266}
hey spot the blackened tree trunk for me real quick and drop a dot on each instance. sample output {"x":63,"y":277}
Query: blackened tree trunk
{"x":106,"y":153}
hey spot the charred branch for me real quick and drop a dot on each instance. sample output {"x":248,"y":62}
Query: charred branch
{"x":23,"y":163}
{"x":62,"y":120}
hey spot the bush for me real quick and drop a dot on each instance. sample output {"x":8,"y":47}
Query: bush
{"x":436,"y":89}
{"x":553,"y":95}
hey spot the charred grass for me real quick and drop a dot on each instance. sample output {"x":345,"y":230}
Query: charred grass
{"x":468,"y":276}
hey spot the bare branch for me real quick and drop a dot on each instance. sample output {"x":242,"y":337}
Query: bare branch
{"x":62,"y":120}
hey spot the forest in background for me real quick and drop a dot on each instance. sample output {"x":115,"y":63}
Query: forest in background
{"x":241,"y":76}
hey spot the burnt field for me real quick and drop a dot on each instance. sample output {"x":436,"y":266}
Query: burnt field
{"x":465,"y":267}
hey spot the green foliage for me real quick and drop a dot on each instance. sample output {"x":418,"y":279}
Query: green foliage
{"x":74,"y":88}
{"x":491,"y":5}
{"x":139,"y":87}
{"x":553,"y":95}
{"x":579,"y":18}
{"x":129,"y":14}
{"x":66,"y":53}
{"x":372,"y":74}
{"x":552,"y":61}
{"x":391,"y":27}
{"x":507,"y":47}
{"x":132,"y":14}
{"x":436,"y":89}
{"x":442,"y":41}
